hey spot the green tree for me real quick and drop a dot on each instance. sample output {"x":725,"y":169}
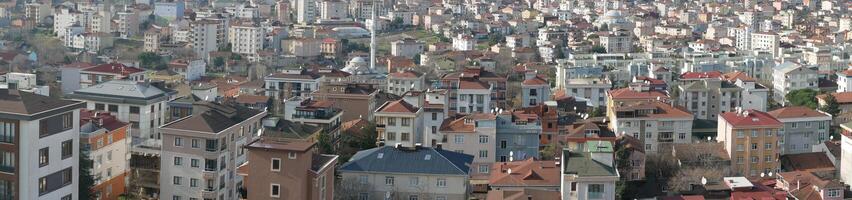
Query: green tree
{"x":549,"y":151}
{"x":325,"y":144}
{"x":495,"y":38}
{"x":598,"y":49}
{"x":151,"y":60}
{"x":831,"y":106}
{"x":218,"y":61}
{"x":802,"y":97}
{"x":87,"y":181}
{"x":597,"y":112}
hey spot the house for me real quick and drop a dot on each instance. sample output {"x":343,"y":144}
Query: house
{"x":592,"y":90}
{"x":316,"y":112}
{"x":518,"y":135}
{"x":109,"y":71}
{"x":290,"y":83}
{"x":754,"y":95}
{"x":636,"y":157}
{"x":406,"y":172}
{"x":806,"y":185}
{"x":357,"y":100}
{"x":406,"y":80}
{"x":750,"y":138}
{"x":742,"y":188}
{"x":476,"y":79}
{"x":590,"y":173}
{"x":535,"y":90}
{"x":844,"y":100}
{"x":303,"y":174}
{"x":846,"y":153}
{"x":399,"y":122}
{"x":708,"y":97}
{"x":407,"y":47}
{"x":803,"y":128}
{"x":814,"y":162}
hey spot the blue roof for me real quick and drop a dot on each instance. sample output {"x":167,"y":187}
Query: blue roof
{"x":409,"y":160}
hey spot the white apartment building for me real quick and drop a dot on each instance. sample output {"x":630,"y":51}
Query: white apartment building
{"x":473,"y":135}
{"x":617,"y":42}
{"x":844,"y":81}
{"x":434,"y":111}
{"x":41,"y":141}
{"x":766,"y":41}
{"x":65,"y":17}
{"x":464,"y":42}
{"x":333,"y":10}
{"x":206,"y":35}
{"x":246,"y":38}
{"x":408,"y":80}
{"x":803,"y":129}
{"x":580,"y":177}
{"x":399,"y":122}
{"x":846,"y":153}
{"x":789,"y":76}
{"x":655,"y":123}
{"x":128,"y":23}
{"x":407,"y":47}
{"x":708,"y":97}
{"x":593,"y":90}
{"x":306,"y":11}
{"x":474,"y":96}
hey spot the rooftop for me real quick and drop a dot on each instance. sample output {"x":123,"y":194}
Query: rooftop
{"x":211,"y":117}
{"x":420,"y":160}
{"x":20,"y":103}
{"x":750,"y":118}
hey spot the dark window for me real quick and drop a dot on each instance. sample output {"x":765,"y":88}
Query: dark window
{"x":99,"y":106}
{"x":67,"y":149}
{"x":113,"y":108}
{"x":276,"y":164}
{"x":134,"y":109}
{"x":210,"y":164}
{"x":7,"y":132}
{"x":211,"y":145}
{"x":55,"y":124}
{"x":533,"y":92}
{"x":7,"y":164}
{"x":434,"y":116}
{"x":7,"y":189}
{"x":55,"y":181}
{"x":43,"y":157}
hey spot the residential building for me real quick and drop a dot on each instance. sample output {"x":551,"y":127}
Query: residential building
{"x":40,"y":154}
{"x":751,"y":139}
{"x":766,"y":41}
{"x":844,"y":81}
{"x":846,"y":153}
{"x":440,"y":174}
{"x":303,"y":174}
{"x":306,"y":11}
{"x":434,"y":112}
{"x":291,"y":83}
{"x":535,"y":90}
{"x":202,"y":152}
{"x":170,"y":10}
{"x":109,"y":71}
{"x":206,"y":35}
{"x":407,"y":47}
{"x":333,"y":10}
{"x":152,"y":40}
{"x":518,"y":135}
{"x":525,"y":174}
{"x":452,"y":82}
{"x":617,"y":41}
{"x":803,"y":129}
{"x":656,"y":124}
{"x":634,"y":93}
{"x":399,"y":122}
{"x":789,"y":76}
{"x":754,"y":95}
{"x":315,"y":112}
{"x":473,"y":135}
{"x":358,"y":101}
{"x":590,"y":173}
{"x":464,"y":42}
{"x":708,"y":97}
{"x":592,"y":90}
{"x":844,"y":100}
{"x":407,"y":80}
{"x":105,"y":140}
{"x":474,"y":96}
{"x":127,"y":22}
{"x":143,"y":105}
{"x":806,"y":185}
{"x":246,"y":38}
{"x":743,"y":188}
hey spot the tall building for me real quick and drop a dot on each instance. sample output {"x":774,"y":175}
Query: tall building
{"x":656,"y":124}
{"x":803,"y":129}
{"x":750,"y":139}
{"x":284,"y":162}
{"x":246,"y":38}
{"x":333,"y":10}
{"x":206,"y":35}
{"x":202,"y":152}
{"x":306,"y":11}
{"x":107,"y":142}
{"x":39,"y":146}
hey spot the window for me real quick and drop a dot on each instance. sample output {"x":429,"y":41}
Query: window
{"x":113,"y":108}
{"x":362,"y":179}
{"x":767,"y":159}
{"x":573,"y":186}
{"x":194,"y":143}
{"x":740,"y":147}
{"x":412,"y":197}
{"x":363,"y":196}
{"x":833,"y":193}
{"x":596,"y":191}
{"x":193,"y":163}
{"x":768,"y":132}
{"x":753,"y":133}
{"x":43,"y":157}
{"x":99,"y":106}
{"x":391,"y":121}
{"x":193,"y":182}
{"x":134,"y":109}
{"x":414,"y":181}
{"x":388,"y":180}
{"x":406,"y":122}
{"x":434,"y":116}
{"x":7,"y":132}
{"x":276,"y":164}
{"x":434,"y":129}
{"x":681,"y":136}
{"x":176,"y":180}
{"x":647,"y":146}
{"x":176,"y":197}
{"x":755,"y":159}
{"x":178,"y":161}
{"x":178,"y":141}
{"x":442,"y":182}
{"x":484,"y":169}
{"x":458,"y":139}
{"x":291,"y":155}
{"x":67,"y":149}
{"x":7,"y":164}
{"x":483,"y":139}
{"x":740,"y":134}
{"x":441,"y":198}
{"x":502,"y":144}
{"x":483,"y":153}
{"x":740,"y":160}
{"x":275,"y":190}
{"x":404,"y":136}
{"x":767,"y":146}
{"x":390,"y":136}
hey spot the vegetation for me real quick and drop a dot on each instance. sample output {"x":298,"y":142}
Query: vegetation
{"x":598,"y":49}
{"x":831,"y":106}
{"x":550,"y":151}
{"x":803,"y":97}
{"x":87,"y":181}
{"x":151,"y":60}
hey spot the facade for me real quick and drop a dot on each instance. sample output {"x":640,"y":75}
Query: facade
{"x":358,"y":101}
{"x":452,"y":83}
{"x":315,"y":112}
{"x":246,"y":38}
{"x":474,"y":96}
{"x":464,"y":42}
{"x":750,"y":139}
{"x":535,"y":90}
{"x":202,"y":152}
{"x":306,"y":11}
{"x":846,"y":153}
{"x":844,"y":81}
{"x":440,"y":174}
{"x":407,"y":47}
{"x":590,"y":173}
{"x":333,"y":10}
{"x":105,"y":139}
{"x":617,"y":41}
{"x":789,"y":76}
{"x":206,"y":35}
{"x":753,"y":95}
{"x":656,"y":124}
{"x":593,"y":90}
{"x":803,"y":129}
{"x":110,"y":71}
{"x":407,"y":80}
{"x":399,"y":122}
{"x":473,"y":135}
{"x":525,"y":174}
{"x":517,"y":136}
{"x":708,"y":97}
{"x":39,"y":146}
{"x":284,"y":162}
{"x":292,"y":83}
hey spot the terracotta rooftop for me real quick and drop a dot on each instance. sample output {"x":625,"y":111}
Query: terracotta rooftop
{"x":796,"y":112}
{"x":812,"y":162}
{"x":527,"y":172}
{"x":537,"y":80}
{"x":841,"y":97}
{"x":406,"y":74}
{"x":737,"y":75}
{"x":661,"y":110}
{"x":627,"y":93}
{"x":467,"y":83}
{"x":114,"y":68}
{"x":749,"y":118}
{"x":700,"y":75}
{"x":397,"y":106}
{"x":251,"y":99}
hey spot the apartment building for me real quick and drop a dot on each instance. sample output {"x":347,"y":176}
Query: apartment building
{"x":803,"y":129}
{"x":143,"y":105}
{"x":474,"y":96}
{"x":634,"y":93}
{"x":543,"y":175}
{"x":754,"y":95}
{"x":39,"y":146}
{"x":399,"y":122}
{"x":333,"y":10}
{"x":789,"y":76}
{"x":306,"y":11}
{"x":407,"y":80}
{"x":440,"y":174}
{"x":202,"y":152}
{"x":708,"y":97}
{"x":535,"y":90}
{"x":617,"y":41}
{"x":127,"y":22}
{"x":284,"y":162}
{"x":766,"y":41}
{"x":846,"y":153}
{"x":473,"y":135}
{"x":452,"y":82}
{"x":844,"y":81}
{"x":315,"y":112}
{"x":292,"y":82}
{"x":108,"y":146}
{"x":358,"y":101}
{"x":434,"y":112}
{"x":589,"y":173}
{"x":106,"y":72}
{"x":407,"y":47}
{"x":464,"y":42}
{"x":593,"y":90}
{"x":656,"y":124}
{"x":246,"y":38}
{"x":518,"y":136}
{"x":206,"y":35}
{"x":750,"y":139}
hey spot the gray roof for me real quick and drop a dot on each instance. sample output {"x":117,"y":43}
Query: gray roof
{"x":17,"y":104}
{"x":788,"y":66}
{"x":582,"y":164}
{"x":215,"y":119}
{"x":387,"y":159}
{"x":123,"y":91}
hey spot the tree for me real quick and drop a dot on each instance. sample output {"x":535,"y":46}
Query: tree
{"x":396,"y":23}
{"x":87,"y":181}
{"x":495,"y":38}
{"x":802,"y":97}
{"x":597,"y":112}
{"x":218,"y":61}
{"x":325,"y":146}
{"x":550,"y":151}
{"x":831,"y":106}
{"x":151,"y":60}
{"x":598,"y":49}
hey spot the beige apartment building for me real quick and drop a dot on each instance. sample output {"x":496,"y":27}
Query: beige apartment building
{"x":750,"y":139}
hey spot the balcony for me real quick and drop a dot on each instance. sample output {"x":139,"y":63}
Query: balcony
{"x":209,"y":193}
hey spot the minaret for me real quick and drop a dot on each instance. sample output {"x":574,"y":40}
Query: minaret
{"x":373,"y":37}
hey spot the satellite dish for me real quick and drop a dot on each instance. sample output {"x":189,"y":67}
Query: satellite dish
{"x":703,"y":181}
{"x":762,"y":174}
{"x":709,"y":138}
{"x":770,"y":174}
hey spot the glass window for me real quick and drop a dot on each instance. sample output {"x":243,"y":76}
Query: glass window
{"x":389,"y":180}
{"x":483,"y":139}
{"x":442,"y":182}
{"x":414,"y":181}
{"x":459,"y":139}
{"x":275,"y":190}
{"x":67,"y":149}
{"x":596,"y":191}
{"x":43,"y":157}
{"x":7,"y":132}
{"x":276,"y":164}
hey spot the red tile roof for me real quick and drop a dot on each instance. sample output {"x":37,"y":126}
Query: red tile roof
{"x":737,"y":75}
{"x":468,"y":83}
{"x":251,"y":99}
{"x":398,"y":106}
{"x":841,"y":97}
{"x":700,"y":75}
{"x":114,"y":68}
{"x":406,"y":74}
{"x":847,"y":72}
{"x":627,"y":93}
{"x":527,"y":172}
{"x":750,"y":118}
{"x":537,"y":80}
{"x":795,"y":112}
